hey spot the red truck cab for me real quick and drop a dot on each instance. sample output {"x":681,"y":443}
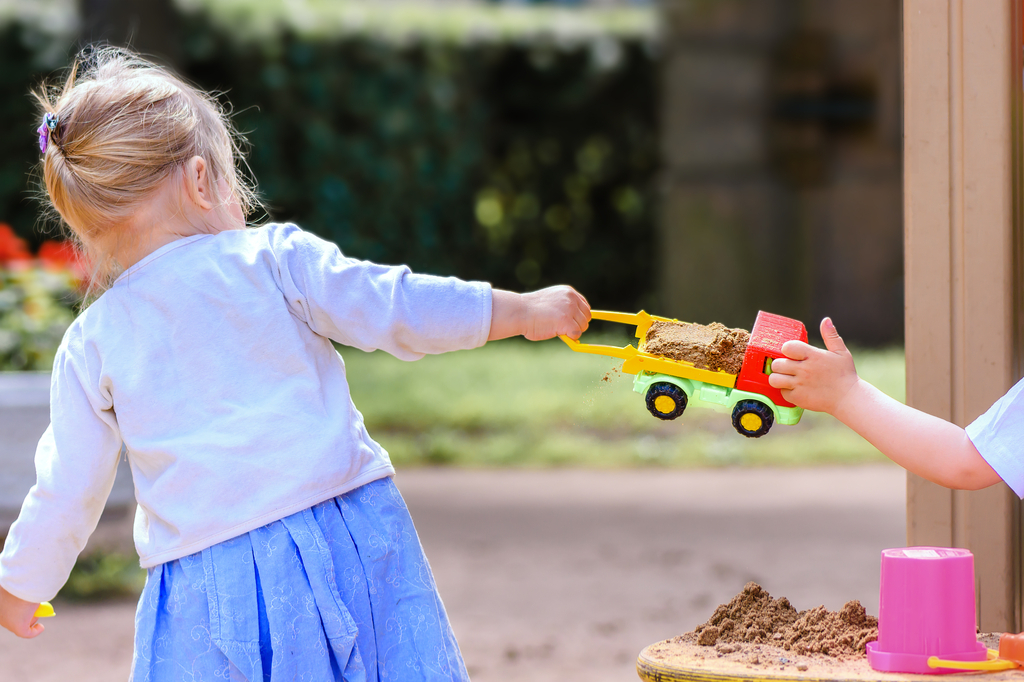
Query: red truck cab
{"x":766,"y":338}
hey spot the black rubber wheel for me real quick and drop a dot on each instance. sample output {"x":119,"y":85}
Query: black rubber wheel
{"x":666,"y":401}
{"x":751,"y":418}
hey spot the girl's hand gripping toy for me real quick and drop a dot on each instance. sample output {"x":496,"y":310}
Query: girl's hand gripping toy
{"x":670,"y":385}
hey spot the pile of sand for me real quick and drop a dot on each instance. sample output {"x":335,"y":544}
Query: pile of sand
{"x":754,"y":617}
{"x":713,"y":346}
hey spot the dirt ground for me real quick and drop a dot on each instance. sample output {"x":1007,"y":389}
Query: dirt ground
{"x":567,"y":575}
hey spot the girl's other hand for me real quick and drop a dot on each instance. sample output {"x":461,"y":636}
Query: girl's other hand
{"x":18,"y":615}
{"x":813,"y":378}
{"x":539,"y":315}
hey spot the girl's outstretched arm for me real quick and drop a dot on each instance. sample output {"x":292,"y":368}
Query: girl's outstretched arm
{"x":538,"y":315}
{"x":826,"y":381}
{"x":18,"y":615}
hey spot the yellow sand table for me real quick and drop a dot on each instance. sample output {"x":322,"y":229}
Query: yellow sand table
{"x":672,"y":661}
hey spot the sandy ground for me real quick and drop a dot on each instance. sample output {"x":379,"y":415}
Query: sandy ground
{"x":567,"y":575}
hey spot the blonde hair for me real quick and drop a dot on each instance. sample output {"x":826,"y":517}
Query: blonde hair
{"x":124,"y":125}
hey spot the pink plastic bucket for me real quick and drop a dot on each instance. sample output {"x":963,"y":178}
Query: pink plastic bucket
{"x":926,"y":608}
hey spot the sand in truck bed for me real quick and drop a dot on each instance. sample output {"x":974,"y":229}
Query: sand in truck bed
{"x":713,"y":346}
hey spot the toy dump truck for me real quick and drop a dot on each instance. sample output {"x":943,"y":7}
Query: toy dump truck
{"x":671,"y":385}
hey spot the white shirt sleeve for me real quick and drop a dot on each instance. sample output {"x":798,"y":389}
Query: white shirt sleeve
{"x":370,"y":306}
{"x":999,"y":437}
{"x":76,"y":462}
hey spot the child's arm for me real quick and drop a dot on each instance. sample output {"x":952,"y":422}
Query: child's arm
{"x":826,"y":381}
{"x":18,"y":615}
{"x":376,"y":307}
{"x":538,"y":315}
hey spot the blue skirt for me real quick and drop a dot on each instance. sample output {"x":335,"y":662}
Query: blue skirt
{"x":340,"y":591}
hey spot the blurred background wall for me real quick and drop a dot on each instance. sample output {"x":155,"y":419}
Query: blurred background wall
{"x":698,"y":158}
{"x":781,"y":170}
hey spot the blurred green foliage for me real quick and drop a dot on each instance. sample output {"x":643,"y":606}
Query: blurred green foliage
{"x":100,"y":575}
{"x":520,"y":155}
{"x":21,"y":70}
{"x":36,"y":306}
{"x":520,"y":165}
{"x":415,"y":21}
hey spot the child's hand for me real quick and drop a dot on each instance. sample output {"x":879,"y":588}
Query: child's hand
{"x":18,"y":615}
{"x":539,"y":315}
{"x":553,"y":311}
{"x":812,"y":378}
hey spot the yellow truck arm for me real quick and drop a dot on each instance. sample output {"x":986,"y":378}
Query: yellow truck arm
{"x":637,"y":361}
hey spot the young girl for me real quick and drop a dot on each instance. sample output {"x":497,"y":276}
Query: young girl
{"x":276,"y":544}
{"x":966,"y":459}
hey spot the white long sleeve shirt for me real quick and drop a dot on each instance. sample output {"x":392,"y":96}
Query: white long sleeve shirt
{"x":211,"y":360}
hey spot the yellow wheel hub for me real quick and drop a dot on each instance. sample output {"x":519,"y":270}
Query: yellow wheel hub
{"x":751,"y":422}
{"x":664,"y":404}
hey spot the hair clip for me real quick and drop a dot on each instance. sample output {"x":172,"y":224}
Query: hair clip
{"x":49,"y":125}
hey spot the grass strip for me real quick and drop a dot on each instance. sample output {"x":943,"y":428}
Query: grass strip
{"x":515,"y":403}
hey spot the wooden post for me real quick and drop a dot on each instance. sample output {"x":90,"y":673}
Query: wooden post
{"x":959,"y":81}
